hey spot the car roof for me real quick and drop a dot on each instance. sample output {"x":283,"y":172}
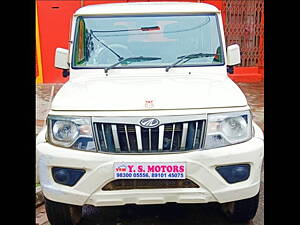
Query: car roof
{"x":146,"y":8}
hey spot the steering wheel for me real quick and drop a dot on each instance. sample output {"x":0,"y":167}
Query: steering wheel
{"x":107,"y":56}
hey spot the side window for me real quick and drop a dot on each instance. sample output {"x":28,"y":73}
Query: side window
{"x":218,"y":57}
{"x":80,"y":55}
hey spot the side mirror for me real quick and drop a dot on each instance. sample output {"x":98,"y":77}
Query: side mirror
{"x":233,"y":55}
{"x":61,"y":58}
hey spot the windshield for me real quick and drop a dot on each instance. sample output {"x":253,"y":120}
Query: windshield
{"x":147,"y":41}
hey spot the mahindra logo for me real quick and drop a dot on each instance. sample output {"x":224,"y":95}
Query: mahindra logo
{"x":149,"y":122}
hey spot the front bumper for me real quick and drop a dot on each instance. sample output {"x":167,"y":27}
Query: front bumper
{"x":200,"y":169}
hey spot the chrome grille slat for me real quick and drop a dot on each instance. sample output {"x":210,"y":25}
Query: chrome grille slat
{"x":184,"y":135}
{"x":139,"y":138}
{"x":127,"y":139}
{"x":103,"y":133}
{"x":196,"y":130}
{"x":115,"y":137}
{"x":161,"y":137}
{"x":100,"y":138}
{"x":149,"y":131}
{"x":202,"y":134}
{"x":172,"y":139}
{"x":132,"y":138}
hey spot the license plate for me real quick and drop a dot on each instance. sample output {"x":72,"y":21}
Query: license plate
{"x":145,"y":170}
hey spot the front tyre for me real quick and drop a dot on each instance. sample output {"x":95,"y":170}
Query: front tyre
{"x":62,"y":214}
{"x":242,"y":210}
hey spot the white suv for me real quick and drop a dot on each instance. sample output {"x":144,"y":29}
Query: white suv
{"x":149,"y":115}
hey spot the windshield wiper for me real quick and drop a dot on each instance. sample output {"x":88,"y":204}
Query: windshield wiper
{"x":119,"y":57}
{"x":126,"y":30}
{"x":131,"y":59}
{"x":188,"y":57}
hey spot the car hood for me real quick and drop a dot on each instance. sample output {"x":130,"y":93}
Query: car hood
{"x":144,"y":93}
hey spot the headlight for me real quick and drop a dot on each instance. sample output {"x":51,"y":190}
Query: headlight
{"x":65,"y":131}
{"x":228,"y":128}
{"x":71,"y":132}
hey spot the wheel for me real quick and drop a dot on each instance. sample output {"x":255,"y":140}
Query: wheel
{"x":62,"y":214}
{"x":242,"y":210}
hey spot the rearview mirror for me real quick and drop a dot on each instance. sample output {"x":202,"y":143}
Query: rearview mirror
{"x":233,"y":55}
{"x":61,"y":58}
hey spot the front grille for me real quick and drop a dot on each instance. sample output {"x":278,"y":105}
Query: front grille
{"x":132,"y":138}
{"x":122,"y":184}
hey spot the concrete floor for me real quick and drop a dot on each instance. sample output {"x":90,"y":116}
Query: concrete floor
{"x":190,"y":214}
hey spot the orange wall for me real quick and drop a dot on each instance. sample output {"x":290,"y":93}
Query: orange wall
{"x":54,"y":19}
